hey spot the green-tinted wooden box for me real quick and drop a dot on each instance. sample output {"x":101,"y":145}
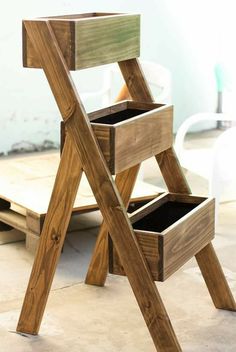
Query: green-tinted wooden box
{"x":90,"y":39}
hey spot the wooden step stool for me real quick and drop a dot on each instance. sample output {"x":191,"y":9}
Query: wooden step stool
{"x":116,"y":140}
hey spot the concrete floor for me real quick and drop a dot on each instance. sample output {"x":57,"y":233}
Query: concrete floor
{"x":92,"y":319}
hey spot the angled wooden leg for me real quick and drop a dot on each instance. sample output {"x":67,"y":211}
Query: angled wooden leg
{"x":98,"y":268}
{"x":172,"y":172}
{"x":51,"y":239}
{"x":215,"y":279}
{"x":206,"y":258}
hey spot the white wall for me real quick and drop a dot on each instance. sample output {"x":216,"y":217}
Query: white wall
{"x":182,"y":35}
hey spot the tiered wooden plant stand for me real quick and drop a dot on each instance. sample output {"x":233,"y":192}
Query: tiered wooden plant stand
{"x":167,"y":231}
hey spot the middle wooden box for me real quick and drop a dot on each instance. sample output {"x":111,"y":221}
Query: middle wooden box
{"x":130,"y":132}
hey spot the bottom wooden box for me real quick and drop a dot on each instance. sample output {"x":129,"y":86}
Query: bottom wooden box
{"x":170,"y":230}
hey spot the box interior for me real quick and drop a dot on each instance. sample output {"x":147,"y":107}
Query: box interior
{"x":164,"y":216}
{"x":133,"y":206}
{"x":119,"y":116}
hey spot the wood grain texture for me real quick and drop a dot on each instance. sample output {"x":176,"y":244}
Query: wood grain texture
{"x":10,"y":219}
{"x":175,"y":245}
{"x":98,"y":267}
{"x":172,"y":172}
{"x":119,"y":106}
{"x":167,"y":160}
{"x":133,"y":140}
{"x":149,"y":244}
{"x":215,"y":279}
{"x":142,"y":138}
{"x":187,"y":237}
{"x":140,"y":92}
{"x":105,"y":191}
{"x":106,"y":194}
{"x":108,"y":39}
{"x":65,"y":34}
{"x":106,"y":139}
{"x":207,"y":259}
{"x":34,"y":222}
{"x":135,"y":80}
{"x":13,"y":219}
{"x":51,"y":240}
{"x":88,"y":40}
{"x":31,"y":243}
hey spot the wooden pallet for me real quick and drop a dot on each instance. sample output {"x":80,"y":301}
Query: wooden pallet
{"x":25,"y":190}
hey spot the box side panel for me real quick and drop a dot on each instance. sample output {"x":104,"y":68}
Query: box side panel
{"x":150,"y":245}
{"x":107,"y":111}
{"x":143,"y":138}
{"x":104,"y":40}
{"x":103,"y":135}
{"x":149,"y":207}
{"x":143,"y":105}
{"x":64,"y":33}
{"x":188,"y":237}
{"x":186,"y":198}
{"x":30,"y":58}
{"x":151,"y":248}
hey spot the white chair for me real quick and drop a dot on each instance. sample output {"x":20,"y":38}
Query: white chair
{"x":223,"y":170}
{"x":158,"y":78}
{"x":216,"y":163}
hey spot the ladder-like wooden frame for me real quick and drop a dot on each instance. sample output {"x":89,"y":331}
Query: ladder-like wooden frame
{"x":81,"y":152}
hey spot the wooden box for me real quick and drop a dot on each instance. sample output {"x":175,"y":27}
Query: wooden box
{"x":170,"y":230}
{"x":130,"y":132}
{"x":90,"y":39}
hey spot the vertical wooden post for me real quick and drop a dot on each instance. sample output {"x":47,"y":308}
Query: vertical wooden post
{"x":215,"y":279}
